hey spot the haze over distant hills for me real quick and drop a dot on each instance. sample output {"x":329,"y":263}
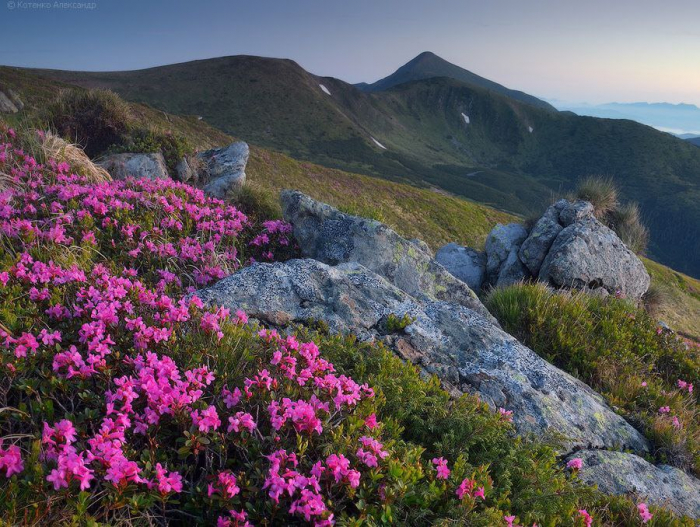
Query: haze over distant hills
{"x":456,"y":131}
{"x":680,"y":119}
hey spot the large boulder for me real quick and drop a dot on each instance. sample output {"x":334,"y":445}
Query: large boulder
{"x":225,"y":169}
{"x":121,"y":166}
{"x":326,"y":234}
{"x":465,"y":263}
{"x":464,"y":348}
{"x":589,"y":256}
{"x":502,"y":246}
{"x":621,"y":473}
{"x":536,"y":246}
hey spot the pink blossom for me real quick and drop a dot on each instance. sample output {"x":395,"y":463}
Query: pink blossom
{"x":575,"y":463}
{"x":11,"y":460}
{"x":644,"y":513}
{"x":587,"y":518}
{"x":441,"y":466}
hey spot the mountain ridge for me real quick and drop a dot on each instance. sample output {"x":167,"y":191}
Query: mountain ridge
{"x":428,"y":65}
{"x":433,"y":133}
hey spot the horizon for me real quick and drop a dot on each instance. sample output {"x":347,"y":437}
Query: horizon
{"x":642,"y":52}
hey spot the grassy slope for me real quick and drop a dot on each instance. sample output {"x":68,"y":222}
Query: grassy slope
{"x":681,"y":306}
{"x":492,"y":160}
{"x":431,"y":216}
{"x":434,"y":217}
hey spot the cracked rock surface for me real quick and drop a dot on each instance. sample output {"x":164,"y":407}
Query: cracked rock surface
{"x":464,"y":348}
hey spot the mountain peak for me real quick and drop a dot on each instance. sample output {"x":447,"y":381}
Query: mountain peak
{"x":428,"y":65}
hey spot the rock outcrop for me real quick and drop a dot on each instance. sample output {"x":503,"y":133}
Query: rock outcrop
{"x":459,"y":344}
{"x":587,"y":255}
{"x":224,"y":172}
{"x":566,"y":248}
{"x":121,"y":166}
{"x":328,"y":235}
{"x":464,"y":263}
{"x":10,"y":102}
{"x":621,"y":473}
{"x":502,"y":245}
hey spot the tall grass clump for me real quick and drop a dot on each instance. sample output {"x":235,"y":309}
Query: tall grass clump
{"x":624,"y":218}
{"x":94,"y":119}
{"x":626,"y":221}
{"x":644,"y":370}
{"x":600,"y":191}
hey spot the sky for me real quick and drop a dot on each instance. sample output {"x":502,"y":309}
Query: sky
{"x":563,"y":50}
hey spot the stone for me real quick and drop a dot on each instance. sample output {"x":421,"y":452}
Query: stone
{"x":571,"y":212}
{"x":328,"y":235}
{"x":536,"y":246}
{"x":589,"y":256}
{"x":463,"y":347}
{"x":621,"y":473}
{"x":421,"y":245}
{"x":464,"y":263}
{"x":512,"y":271}
{"x":500,"y":242}
{"x":6,"y":104}
{"x":225,"y":169}
{"x":121,"y":166}
{"x":183,"y":171}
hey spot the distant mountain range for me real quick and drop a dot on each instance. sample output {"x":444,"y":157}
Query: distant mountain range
{"x":455,"y":131}
{"x":680,"y":119}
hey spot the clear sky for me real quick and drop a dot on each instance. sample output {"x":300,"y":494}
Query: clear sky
{"x":571,"y":50}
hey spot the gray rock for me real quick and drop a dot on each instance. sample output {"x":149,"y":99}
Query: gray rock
{"x":421,"y":245}
{"x":501,"y":241}
{"x":587,"y":255}
{"x":225,"y":169}
{"x":465,"y":263}
{"x":466,"y":350}
{"x":6,"y":104}
{"x":536,"y":246}
{"x":620,"y":473}
{"x":183,"y":171}
{"x":512,"y":271}
{"x":121,"y":166}
{"x":571,"y":212}
{"x":326,"y":234}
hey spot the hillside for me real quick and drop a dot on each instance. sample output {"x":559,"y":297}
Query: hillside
{"x":427,"y":65}
{"x":124,"y":403}
{"x":433,"y":216}
{"x":694,"y":141}
{"x":510,"y":154}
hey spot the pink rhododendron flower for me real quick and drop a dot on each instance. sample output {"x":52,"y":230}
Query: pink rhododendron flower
{"x":506,"y":414}
{"x":587,"y":518}
{"x":575,"y":463}
{"x":11,"y":460}
{"x":441,"y":466}
{"x":644,"y":513}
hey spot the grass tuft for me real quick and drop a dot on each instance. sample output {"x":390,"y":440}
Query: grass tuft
{"x":600,"y":191}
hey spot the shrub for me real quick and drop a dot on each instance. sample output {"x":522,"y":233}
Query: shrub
{"x":600,"y":191}
{"x":642,"y":369}
{"x":95,"y":119}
